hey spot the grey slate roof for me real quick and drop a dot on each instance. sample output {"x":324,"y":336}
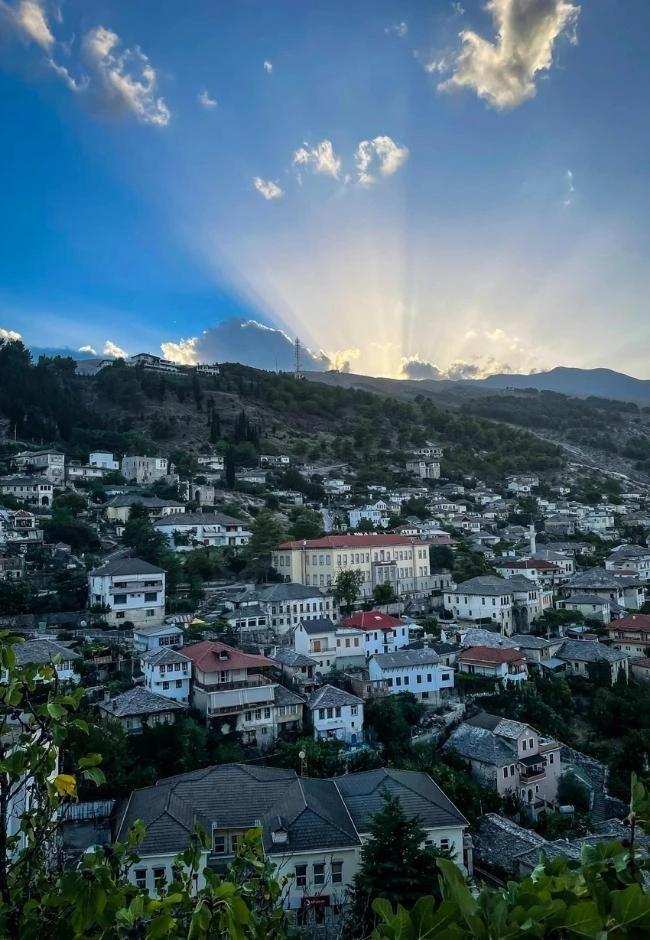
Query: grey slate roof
{"x":417,"y":792}
{"x":139,"y":701}
{"x":589,"y":651}
{"x":476,"y":743}
{"x":526,"y":641}
{"x":153,"y":629}
{"x":587,"y":599}
{"x":289,"y":591}
{"x":498,"y":842}
{"x":149,"y":502}
{"x":505,"y":727}
{"x":487,"y":584}
{"x":315,"y":816}
{"x":328,"y":696}
{"x":163,"y":657}
{"x":598,"y":579}
{"x":283,"y":696}
{"x":321,"y":625}
{"x":403,"y":658}
{"x":40,"y":651}
{"x":289,"y":657}
{"x":198,"y":518}
{"x":243,"y":613}
{"x":125,"y":566}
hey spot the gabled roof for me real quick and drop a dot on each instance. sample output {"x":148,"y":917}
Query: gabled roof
{"x":125,"y":566}
{"x":320,"y":625}
{"x":289,"y":591}
{"x":372,"y":620}
{"x":352,"y":541}
{"x":123,"y":500}
{"x":401,"y":659}
{"x":597,"y":579}
{"x":489,"y":654}
{"x":526,"y":641}
{"x":505,"y":727}
{"x":155,"y":629}
{"x":282,"y":696}
{"x":481,"y":744}
{"x":41,"y":651}
{"x":530,"y":564}
{"x":328,"y":696}
{"x":139,"y":701}
{"x":289,"y":657}
{"x":418,"y":794}
{"x":589,"y":651}
{"x":594,"y":599}
{"x":632,"y":622}
{"x":163,"y":657}
{"x":213,"y":656}
{"x":197,"y":518}
{"x":485,"y":584}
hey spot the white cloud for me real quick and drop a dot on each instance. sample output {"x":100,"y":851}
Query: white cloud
{"x":206,"y":101}
{"x":267,"y":188}
{"x":268,"y":66}
{"x":380,"y":153}
{"x":184,"y":351}
{"x":340,"y":359}
{"x":400,"y":29}
{"x":438,"y":64}
{"x":28,"y":18}
{"x":503,"y":72}
{"x":88,"y":349}
{"x":457,"y":8}
{"x":123,"y":81}
{"x":320,"y":159}
{"x":113,"y":350}
{"x":569,"y":188}
{"x":9,"y":334}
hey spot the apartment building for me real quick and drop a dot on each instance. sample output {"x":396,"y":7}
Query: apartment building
{"x":144,"y":469}
{"x":397,"y":560}
{"x":131,"y":589}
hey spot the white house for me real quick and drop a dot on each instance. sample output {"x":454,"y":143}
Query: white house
{"x":286,"y":605}
{"x":37,"y":491}
{"x":189,"y":530}
{"x":50,"y":463}
{"x":376,"y":513}
{"x":630,"y":558}
{"x":46,"y":652}
{"x":147,"y":639}
{"x":103,"y":459}
{"x":336,"y":714}
{"x":144,"y":469}
{"x":508,"y":665}
{"x":317,"y":640}
{"x":138,"y":708}
{"x":424,"y":469}
{"x":132,"y":589}
{"x":416,"y":671}
{"x":484,"y":597}
{"x":168,"y":673}
{"x":382,"y":632}
{"x":591,"y":606}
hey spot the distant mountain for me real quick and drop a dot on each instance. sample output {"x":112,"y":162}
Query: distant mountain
{"x":603,"y":383}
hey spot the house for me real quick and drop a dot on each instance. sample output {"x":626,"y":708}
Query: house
{"x":631,"y":634}
{"x":235,"y":690}
{"x":591,"y":606}
{"x":561,"y":524}
{"x":598,"y":521}
{"x":507,"y":665}
{"x":296,"y":667}
{"x":46,"y":652}
{"x":382,"y":633}
{"x":522,"y":485}
{"x":536,"y":648}
{"x":376,"y":513}
{"x":533,"y":568}
{"x":213,"y":463}
{"x":49,"y":463}
{"x":580,"y":654}
{"x":76,"y":472}
{"x":20,"y":530}
{"x":249,"y":619}
{"x":103,"y":459}
{"x":281,"y":461}
{"x":120,"y":506}
{"x":317,"y":640}
{"x":138,"y":708}
{"x":630,"y":558}
{"x":626,"y":591}
{"x":482,"y":598}
{"x":382,"y":559}
{"x":530,"y":600}
{"x":336,"y":714}
{"x":429,"y":450}
{"x":350,"y":648}
{"x":12,"y":567}
{"x":424,"y":469}
{"x":565,"y":562}
{"x":188,"y":530}
{"x":416,"y":671}
{"x":312,"y":829}
{"x":287,"y":605}
{"x":510,"y":757}
{"x":168,"y":673}
{"x":36,"y":491}
{"x":144,"y":469}
{"x":131,"y":589}
{"x":203,"y":368}
{"x":149,"y":638}
{"x":154,"y":363}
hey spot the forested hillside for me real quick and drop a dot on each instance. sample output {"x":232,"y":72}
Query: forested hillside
{"x":132,"y":410}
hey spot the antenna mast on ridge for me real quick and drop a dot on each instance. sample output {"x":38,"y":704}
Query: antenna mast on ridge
{"x":297,"y":363}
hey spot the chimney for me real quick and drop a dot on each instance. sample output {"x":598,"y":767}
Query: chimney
{"x":533,"y":539}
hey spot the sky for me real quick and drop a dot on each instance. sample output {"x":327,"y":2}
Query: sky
{"x":423,"y":188}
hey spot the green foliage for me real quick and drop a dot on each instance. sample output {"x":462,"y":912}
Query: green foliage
{"x":347,"y":586}
{"x":383,"y":593}
{"x":572,"y":792}
{"x":451,"y":773}
{"x":389,"y":720}
{"x":441,"y":557}
{"x":305,"y":523}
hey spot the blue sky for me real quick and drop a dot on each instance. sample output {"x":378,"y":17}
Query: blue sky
{"x":413,"y":188}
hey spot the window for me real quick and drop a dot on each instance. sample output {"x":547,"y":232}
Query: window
{"x":300,"y":872}
{"x":330,"y":712}
{"x":337,"y":873}
{"x":523,"y":745}
{"x":141,"y":878}
{"x":551,"y":758}
{"x":179,"y":683}
{"x":258,"y":714}
{"x":218,"y":843}
{"x":505,"y":773}
{"x":444,"y":843}
{"x":150,"y":613}
{"x":319,"y":874}
{"x":337,"y":711}
{"x":158,"y":874}
{"x":321,"y":714}
{"x":428,"y":677}
{"x":355,"y":708}
{"x":406,"y":680}
{"x":119,"y":599}
{"x":267,"y":712}
{"x":418,"y":679}
{"x":398,"y":680}
{"x":165,"y":685}
{"x":248,"y":716}
{"x":150,"y":597}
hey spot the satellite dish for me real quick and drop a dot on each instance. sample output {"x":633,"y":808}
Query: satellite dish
{"x":302,"y":755}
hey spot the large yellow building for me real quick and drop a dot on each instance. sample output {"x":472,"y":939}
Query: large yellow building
{"x":397,"y":560}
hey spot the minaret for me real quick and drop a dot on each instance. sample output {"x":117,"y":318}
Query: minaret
{"x":532,"y":538}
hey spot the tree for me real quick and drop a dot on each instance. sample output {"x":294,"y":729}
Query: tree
{"x":383,"y":593}
{"x":69,"y":503}
{"x":140,"y":535}
{"x":571,"y":792}
{"x":440,"y":557}
{"x":306,"y":524}
{"x":395,"y":865}
{"x":389,"y":721}
{"x":365,"y":526}
{"x":347,"y":587}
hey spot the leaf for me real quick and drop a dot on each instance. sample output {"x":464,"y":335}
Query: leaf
{"x":56,"y":711}
{"x":65,"y":785}
{"x":631,"y":906}
{"x":95,"y":774}
{"x":382,"y":907}
{"x":583,"y":919}
{"x":90,"y":760}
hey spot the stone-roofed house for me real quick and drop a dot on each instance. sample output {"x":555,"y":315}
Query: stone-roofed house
{"x":623,"y":590}
{"x":138,"y":707}
{"x":46,"y":652}
{"x":185,"y":531}
{"x":630,"y":558}
{"x":485,"y":597}
{"x":118,"y":509}
{"x":591,"y":606}
{"x":336,"y":714}
{"x":417,"y":671}
{"x":167,"y":672}
{"x":131,"y":589}
{"x":312,"y":829}
{"x":296,"y":667}
{"x":317,"y":639}
{"x":288,"y":604}
{"x":580,"y":654}
{"x":510,"y":756}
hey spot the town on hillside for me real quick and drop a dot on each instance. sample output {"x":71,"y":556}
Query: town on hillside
{"x":282,"y":640}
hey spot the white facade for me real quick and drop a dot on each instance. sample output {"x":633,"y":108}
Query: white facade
{"x":377,"y":514}
{"x":137,"y":596}
{"x":144,"y":469}
{"x":37,"y":491}
{"x":168,"y":673}
{"x":188,"y":531}
{"x":204,"y":369}
{"x":317,"y":641}
{"x":474,"y":605}
{"x":50,"y":463}
{"x":336,"y":715}
{"x":152,"y":638}
{"x":425,"y":680}
{"x":75,"y":472}
{"x":425,"y":469}
{"x":103,"y":459}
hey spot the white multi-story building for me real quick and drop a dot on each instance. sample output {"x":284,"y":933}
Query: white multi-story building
{"x":382,"y":633}
{"x":416,"y":671}
{"x":37,"y":491}
{"x":377,"y":514}
{"x":287,"y":605}
{"x":382,"y":559}
{"x":104,"y":460}
{"x":203,"y":368}
{"x":632,"y":558}
{"x":50,"y":463}
{"x":481,"y":598}
{"x":75,"y":472}
{"x":144,"y":469}
{"x":424,"y":469}
{"x":317,"y":640}
{"x":149,"y":639}
{"x":429,"y":450}
{"x":132,"y":589}
{"x":336,"y":715}
{"x":189,"y":530}
{"x":213,"y":463}
{"x":167,"y":672}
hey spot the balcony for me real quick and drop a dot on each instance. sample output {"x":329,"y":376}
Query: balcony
{"x":252,"y":683}
{"x":136,"y":587}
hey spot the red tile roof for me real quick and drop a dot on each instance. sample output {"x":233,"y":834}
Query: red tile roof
{"x":354,"y":541}
{"x":489,"y":654}
{"x":372,"y":620}
{"x":206,"y":657}
{"x":633,"y":622}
